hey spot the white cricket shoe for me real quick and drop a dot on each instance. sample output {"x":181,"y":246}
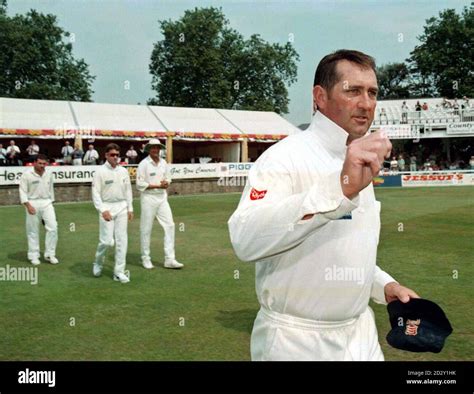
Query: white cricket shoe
{"x":51,"y":259}
{"x":147,"y":264}
{"x":122,"y":277}
{"x":96,"y":270}
{"x":35,"y":261}
{"x":173,"y":264}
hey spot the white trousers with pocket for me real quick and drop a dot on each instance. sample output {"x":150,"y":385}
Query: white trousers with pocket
{"x":110,"y":233}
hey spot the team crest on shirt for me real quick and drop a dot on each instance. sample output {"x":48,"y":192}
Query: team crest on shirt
{"x":109,"y":181}
{"x":412,"y":327}
{"x":257,"y":194}
{"x":152,"y":173}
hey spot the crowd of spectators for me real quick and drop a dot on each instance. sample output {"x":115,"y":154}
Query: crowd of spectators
{"x":455,"y":106}
{"x":13,"y":155}
{"x":412,"y":162}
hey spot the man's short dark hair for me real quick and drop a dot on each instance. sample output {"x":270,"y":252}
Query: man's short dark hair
{"x":41,"y":157}
{"x":112,"y":146}
{"x":326,"y":74}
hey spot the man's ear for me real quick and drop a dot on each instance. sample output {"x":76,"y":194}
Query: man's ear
{"x":320,"y":97}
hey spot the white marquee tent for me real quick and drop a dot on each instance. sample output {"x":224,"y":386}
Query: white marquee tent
{"x":226,"y":134}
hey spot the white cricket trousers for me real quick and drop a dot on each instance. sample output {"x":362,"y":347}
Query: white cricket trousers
{"x":44,"y":211}
{"x":279,"y":337}
{"x":156,"y":206}
{"x":108,"y":231}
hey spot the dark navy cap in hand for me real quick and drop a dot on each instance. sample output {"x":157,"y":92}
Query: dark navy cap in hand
{"x":417,"y":326}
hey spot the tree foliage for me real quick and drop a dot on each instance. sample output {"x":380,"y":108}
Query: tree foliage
{"x":202,"y":62}
{"x":394,"y":81}
{"x":36,"y":61}
{"x":443,"y":63}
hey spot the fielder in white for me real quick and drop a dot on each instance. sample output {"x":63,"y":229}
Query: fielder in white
{"x":112,"y":196}
{"x":37,"y":195}
{"x":153,"y":178}
{"x":309,"y":219}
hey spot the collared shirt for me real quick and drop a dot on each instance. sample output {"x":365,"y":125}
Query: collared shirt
{"x":36,"y":187}
{"x":77,"y":154}
{"x":91,"y":155}
{"x":110,"y":186}
{"x":151,"y":173}
{"x":323,"y":268}
{"x":13,"y":150}
{"x":131,"y":153}
{"x":33,"y":150}
{"x":67,"y":150}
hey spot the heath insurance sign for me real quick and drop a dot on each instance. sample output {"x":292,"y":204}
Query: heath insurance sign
{"x":84,"y":174}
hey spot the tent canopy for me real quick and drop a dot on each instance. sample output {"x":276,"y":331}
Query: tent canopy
{"x":60,"y":119}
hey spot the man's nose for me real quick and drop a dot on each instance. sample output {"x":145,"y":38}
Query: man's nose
{"x":365,"y":102}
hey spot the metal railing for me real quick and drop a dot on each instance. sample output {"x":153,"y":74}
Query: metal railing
{"x":430,"y":116}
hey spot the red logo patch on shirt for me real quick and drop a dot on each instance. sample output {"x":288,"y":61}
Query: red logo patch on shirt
{"x":256,"y":194}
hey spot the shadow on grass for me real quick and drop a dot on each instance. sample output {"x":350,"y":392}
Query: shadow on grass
{"x":19,"y":256}
{"x":241,"y":320}
{"x":135,"y":259}
{"x":84,"y":269}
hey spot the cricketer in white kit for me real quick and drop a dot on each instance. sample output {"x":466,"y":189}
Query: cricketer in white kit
{"x":37,"y":195}
{"x":112,"y":197}
{"x":153,"y":178}
{"x":309,"y":219}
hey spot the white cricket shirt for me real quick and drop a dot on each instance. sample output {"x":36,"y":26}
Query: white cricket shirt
{"x":151,"y":173}
{"x":323,"y":268}
{"x":36,"y":187}
{"x":111,"y":189}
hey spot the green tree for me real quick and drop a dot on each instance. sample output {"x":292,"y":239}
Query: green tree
{"x":3,"y":7}
{"x":394,"y":81}
{"x":202,"y":62}
{"x":443,"y":63}
{"x":36,"y":60}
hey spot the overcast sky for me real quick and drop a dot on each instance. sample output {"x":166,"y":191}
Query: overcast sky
{"x":116,"y":37}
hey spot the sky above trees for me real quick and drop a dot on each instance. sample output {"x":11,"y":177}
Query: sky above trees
{"x":116,"y":38}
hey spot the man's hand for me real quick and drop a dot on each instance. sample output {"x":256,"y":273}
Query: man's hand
{"x":363,"y":161}
{"x":130,"y":216}
{"x":31,"y":210}
{"x":107,"y":216}
{"x":394,"y":291}
{"x":162,"y":185}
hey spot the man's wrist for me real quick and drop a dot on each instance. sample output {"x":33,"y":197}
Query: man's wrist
{"x":391,"y":284}
{"x":347,"y":191}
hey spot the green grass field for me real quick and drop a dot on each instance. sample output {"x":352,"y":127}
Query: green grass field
{"x":143,"y":320}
